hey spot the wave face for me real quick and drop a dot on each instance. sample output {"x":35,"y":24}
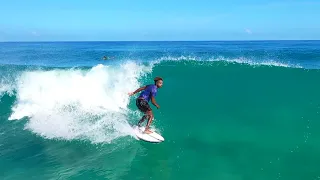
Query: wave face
{"x":243,"y":110}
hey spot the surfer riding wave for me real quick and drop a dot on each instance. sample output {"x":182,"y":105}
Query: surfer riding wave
{"x":142,"y":102}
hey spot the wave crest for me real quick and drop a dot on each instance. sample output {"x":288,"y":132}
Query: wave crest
{"x":240,"y":60}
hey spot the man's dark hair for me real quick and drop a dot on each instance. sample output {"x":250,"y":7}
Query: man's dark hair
{"x":157,"y":79}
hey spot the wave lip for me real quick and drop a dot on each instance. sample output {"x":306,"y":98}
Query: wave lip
{"x":256,"y":63}
{"x":240,"y":60}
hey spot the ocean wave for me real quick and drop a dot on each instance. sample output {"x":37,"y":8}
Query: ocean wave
{"x":87,"y":103}
{"x":75,"y":103}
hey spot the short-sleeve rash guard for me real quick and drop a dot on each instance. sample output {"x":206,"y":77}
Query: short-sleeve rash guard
{"x":150,"y":91}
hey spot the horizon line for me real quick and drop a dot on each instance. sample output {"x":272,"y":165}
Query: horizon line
{"x":156,"y":40}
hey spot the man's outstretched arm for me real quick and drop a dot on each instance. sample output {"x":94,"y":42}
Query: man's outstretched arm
{"x":138,"y":90}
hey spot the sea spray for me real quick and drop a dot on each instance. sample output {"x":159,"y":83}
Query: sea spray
{"x":78,"y":104}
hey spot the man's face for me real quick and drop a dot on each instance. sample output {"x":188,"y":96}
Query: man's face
{"x":159,"y":83}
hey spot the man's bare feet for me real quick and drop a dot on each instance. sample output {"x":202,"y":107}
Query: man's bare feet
{"x":147,"y":131}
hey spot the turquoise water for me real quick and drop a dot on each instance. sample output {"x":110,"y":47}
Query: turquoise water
{"x":229,"y":110}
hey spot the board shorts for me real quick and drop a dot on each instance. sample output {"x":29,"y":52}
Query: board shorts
{"x":143,"y":105}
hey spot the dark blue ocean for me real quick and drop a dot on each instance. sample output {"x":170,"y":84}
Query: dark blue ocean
{"x":69,"y":54}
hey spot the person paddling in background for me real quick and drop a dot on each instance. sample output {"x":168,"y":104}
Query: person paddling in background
{"x":107,"y":58}
{"x":148,"y":92}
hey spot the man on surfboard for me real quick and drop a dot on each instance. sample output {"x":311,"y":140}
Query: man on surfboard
{"x":148,"y":92}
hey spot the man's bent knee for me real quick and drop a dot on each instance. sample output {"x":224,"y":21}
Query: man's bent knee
{"x":149,"y":114}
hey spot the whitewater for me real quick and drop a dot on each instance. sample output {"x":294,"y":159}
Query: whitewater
{"x":76,"y":103}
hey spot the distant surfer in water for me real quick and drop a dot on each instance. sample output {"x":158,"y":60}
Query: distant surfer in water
{"x":107,"y":58}
{"x":148,"y":92}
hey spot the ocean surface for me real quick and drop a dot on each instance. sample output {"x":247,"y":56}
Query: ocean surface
{"x":243,"y":110}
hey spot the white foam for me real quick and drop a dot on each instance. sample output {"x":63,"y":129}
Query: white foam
{"x":76,"y":104}
{"x":240,"y":60}
{"x":7,"y":86}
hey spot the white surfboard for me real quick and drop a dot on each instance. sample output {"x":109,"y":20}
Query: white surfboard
{"x":152,"y":137}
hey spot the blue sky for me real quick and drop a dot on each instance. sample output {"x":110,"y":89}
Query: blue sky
{"x":127,"y":20}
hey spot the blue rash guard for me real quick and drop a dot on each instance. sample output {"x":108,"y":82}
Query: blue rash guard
{"x":150,"y":91}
